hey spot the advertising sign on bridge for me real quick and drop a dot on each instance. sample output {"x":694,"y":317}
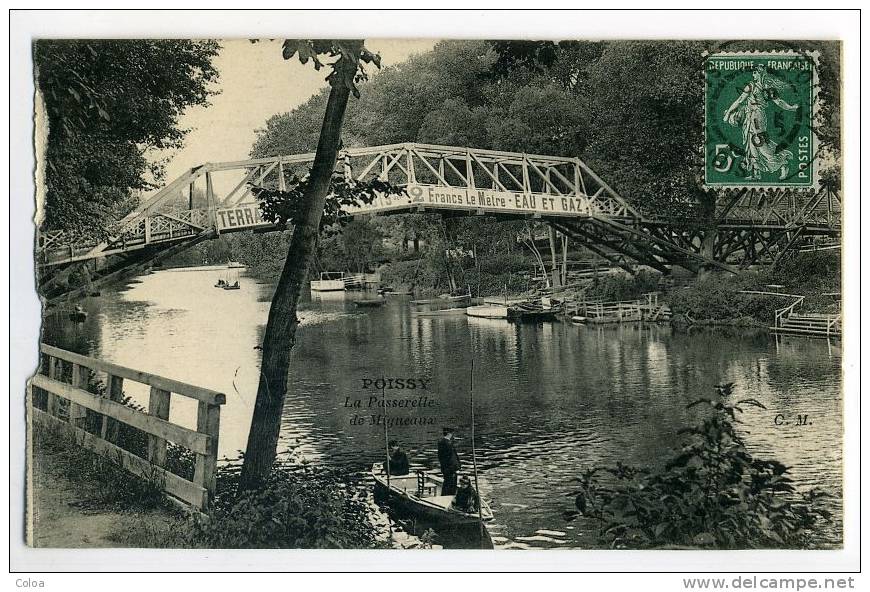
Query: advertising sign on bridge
{"x":487,"y":200}
{"x":246,"y":215}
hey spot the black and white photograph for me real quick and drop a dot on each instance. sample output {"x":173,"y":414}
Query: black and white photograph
{"x":423,"y":293}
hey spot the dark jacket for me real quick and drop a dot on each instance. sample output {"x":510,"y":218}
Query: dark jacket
{"x":448,"y":458}
{"x":466,"y":500}
{"x":399,"y":464}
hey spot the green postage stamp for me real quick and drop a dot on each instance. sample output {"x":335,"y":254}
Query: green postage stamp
{"x":759,"y":118}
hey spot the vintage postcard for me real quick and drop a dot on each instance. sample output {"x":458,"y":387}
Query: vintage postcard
{"x":438,"y":294}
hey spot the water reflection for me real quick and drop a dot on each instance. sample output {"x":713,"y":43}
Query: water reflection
{"x":550,"y":399}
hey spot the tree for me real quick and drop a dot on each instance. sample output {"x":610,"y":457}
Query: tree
{"x":108,"y":103}
{"x":280,"y":334}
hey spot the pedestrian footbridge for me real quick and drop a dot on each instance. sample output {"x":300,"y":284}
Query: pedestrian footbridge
{"x":751,"y":226}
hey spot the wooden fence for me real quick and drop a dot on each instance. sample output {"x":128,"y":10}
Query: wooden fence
{"x":64,"y":404}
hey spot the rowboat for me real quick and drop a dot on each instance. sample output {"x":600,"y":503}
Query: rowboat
{"x":487,"y":311}
{"x":369,"y":302}
{"x":462,"y":299}
{"x":520,"y":313}
{"x":439,"y":313}
{"x":533,"y":310}
{"x":330,"y":281}
{"x":579,"y":319}
{"x":420,"y":494}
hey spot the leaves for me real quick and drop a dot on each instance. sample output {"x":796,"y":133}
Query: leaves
{"x":710,"y":493}
{"x":286,"y":207}
{"x":108,"y":102}
{"x":348,"y":69}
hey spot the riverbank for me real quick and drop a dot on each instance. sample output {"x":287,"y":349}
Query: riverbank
{"x":80,"y":500}
{"x":70,"y":509}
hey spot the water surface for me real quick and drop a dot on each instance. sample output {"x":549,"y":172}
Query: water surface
{"x":549,"y":400}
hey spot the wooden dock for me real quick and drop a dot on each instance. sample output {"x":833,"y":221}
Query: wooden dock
{"x":810,"y":325}
{"x":647,"y":309}
{"x":788,"y":321}
{"x":58,"y":398}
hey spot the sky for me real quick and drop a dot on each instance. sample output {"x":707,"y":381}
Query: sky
{"x":256,"y":83}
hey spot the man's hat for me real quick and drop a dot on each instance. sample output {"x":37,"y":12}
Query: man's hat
{"x":447,"y":430}
{"x":464,"y":479}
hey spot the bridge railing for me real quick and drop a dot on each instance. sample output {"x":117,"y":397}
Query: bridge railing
{"x":59,"y":399}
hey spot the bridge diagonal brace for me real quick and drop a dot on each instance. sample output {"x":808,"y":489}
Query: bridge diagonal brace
{"x":592,"y":246}
{"x":127,"y":271}
{"x":619,"y":242}
{"x":667,"y":244}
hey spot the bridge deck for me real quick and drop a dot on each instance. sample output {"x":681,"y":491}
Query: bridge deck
{"x":437,"y":178}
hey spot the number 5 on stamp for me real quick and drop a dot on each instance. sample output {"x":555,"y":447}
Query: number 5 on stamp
{"x":759,"y":120}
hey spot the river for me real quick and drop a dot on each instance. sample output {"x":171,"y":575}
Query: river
{"x":550,"y":399}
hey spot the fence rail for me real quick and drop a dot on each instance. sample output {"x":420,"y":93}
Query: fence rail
{"x":67,"y":402}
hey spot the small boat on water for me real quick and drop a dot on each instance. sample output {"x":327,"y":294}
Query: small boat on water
{"x":444,"y":304}
{"x":330,"y":281}
{"x":369,"y":302}
{"x":487,"y":311}
{"x":420,"y":493}
{"x":220,"y":283}
{"x":234,"y":265}
{"x":580,"y":320}
{"x":234,"y":286}
{"x":533,"y":310}
{"x":439,"y":312}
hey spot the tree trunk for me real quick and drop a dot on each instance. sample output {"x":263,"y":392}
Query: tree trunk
{"x":281,"y":327}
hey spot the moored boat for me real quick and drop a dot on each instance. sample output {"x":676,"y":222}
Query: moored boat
{"x":420,"y":493}
{"x":439,"y":312}
{"x":369,"y":302}
{"x":443,"y":303}
{"x":487,"y":311}
{"x":532,"y":311}
{"x":330,"y":281}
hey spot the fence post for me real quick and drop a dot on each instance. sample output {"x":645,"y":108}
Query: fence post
{"x":115,"y":392}
{"x":208,"y":420}
{"x":158,"y":406}
{"x":77,"y":413}
{"x":55,"y":372}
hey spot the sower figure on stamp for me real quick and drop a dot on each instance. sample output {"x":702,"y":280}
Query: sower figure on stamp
{"x":449,"y":460}
{"x":749,"y":111}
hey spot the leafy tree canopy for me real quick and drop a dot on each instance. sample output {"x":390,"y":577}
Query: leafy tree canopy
{"x":633,"y":110}
{"x":108,"y":103}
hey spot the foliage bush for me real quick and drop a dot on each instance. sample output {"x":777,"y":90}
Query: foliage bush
{"x":718,"y":298}
{"x":611,"y":288}
{"x":711,"y":493}
{"x":299,"y":506}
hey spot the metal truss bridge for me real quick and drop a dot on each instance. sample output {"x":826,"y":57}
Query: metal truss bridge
{"x":751,"y":226}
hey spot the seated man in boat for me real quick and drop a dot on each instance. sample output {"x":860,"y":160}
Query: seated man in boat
{"x":466,"y":499}
{"x":399,"y":464}
{"x":449,"y":460}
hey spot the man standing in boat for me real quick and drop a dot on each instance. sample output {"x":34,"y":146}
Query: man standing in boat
{"x":399,"y":464}
{"x":449,"y":460}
